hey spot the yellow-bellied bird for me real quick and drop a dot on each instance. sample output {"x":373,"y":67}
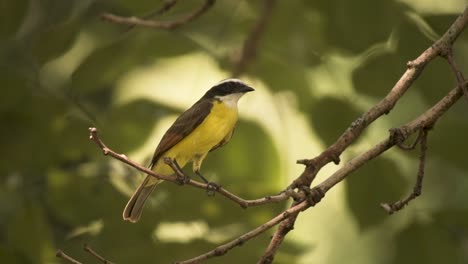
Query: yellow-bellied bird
{"x":204,"y":127}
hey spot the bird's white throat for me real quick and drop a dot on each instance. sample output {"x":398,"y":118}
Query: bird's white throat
{"x":231,"y":99}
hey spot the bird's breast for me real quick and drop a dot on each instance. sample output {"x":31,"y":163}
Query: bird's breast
{"x":215,"y":127}
{"x":219,"y":123}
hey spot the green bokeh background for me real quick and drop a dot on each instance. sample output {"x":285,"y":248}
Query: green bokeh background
{"x":320,"y":64}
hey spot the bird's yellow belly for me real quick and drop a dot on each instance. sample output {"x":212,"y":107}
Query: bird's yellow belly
{"x":216,"y":126}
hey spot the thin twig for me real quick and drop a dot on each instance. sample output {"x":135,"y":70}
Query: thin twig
{"x":427,"y":119}
{"x":313,"y":196}
{"x":456,"y":70}
{"x":390,"y":208}
{"x":168,"y":4}
{"x":284,"y":228}
{"x":413,"y":145}
{"x":62,"y":255}
{"x":88,"y":249}
{"x":221,"y":250}
{"x":249,"y":50}
{"x":175,"y":179}
{"x":135,"y":21}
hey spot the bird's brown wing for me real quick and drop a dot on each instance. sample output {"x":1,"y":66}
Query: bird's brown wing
{"x":183,"y":126}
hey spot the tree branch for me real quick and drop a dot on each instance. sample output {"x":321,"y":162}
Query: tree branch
{"x":390,"y":208}
{"x":414,"y":68}
{"x":284,"y":228}
{"x":458,"y":74}
{"x":62,"y":255}
{"x":426,"y":120}
{"x":249,"y":50}
{"x":221,"y":250}
{"x":412,"y":146}
{"x":134,"y":21}
{"x":168,"y":4}
{"x":93,"y":253}
{"x":176,"y":179}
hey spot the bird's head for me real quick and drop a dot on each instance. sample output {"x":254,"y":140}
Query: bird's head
{"x":228,"y":91}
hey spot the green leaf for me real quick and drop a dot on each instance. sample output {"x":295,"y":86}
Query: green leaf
{"x":12,"y":14}
{"x":427,"y":243}
{"x":377,"y":76}
{"x":30,"y":234}
{"x":341,"y":111}
{"x":376,"y":182}
{"x":345,"y":21}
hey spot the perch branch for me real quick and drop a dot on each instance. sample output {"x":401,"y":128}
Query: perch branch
{"x":176,"y":179}
{"x":135,"y":21}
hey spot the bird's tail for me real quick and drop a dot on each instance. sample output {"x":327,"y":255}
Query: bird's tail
{"x":134,"y":207}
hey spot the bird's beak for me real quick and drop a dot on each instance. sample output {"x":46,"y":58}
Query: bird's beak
{"x":247,"y":89}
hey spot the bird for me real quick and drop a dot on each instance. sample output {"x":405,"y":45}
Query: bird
{"x":207,"y":125}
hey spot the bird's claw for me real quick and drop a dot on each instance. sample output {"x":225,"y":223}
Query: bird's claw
{"x":182,"y":179}
{"x":212,"y":188}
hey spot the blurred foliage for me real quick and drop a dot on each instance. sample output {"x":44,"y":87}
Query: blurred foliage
{"x":319,"y":66}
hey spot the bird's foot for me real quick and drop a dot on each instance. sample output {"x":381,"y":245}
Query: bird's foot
{"x":182,"y":179}
{"x":212,"y":188}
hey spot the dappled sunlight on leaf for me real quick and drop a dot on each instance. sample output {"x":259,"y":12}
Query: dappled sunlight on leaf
{"x":186,"y":232}
{"x":181,"y":232}
{"x":31,"y":233}
{"x":176,"y":82}
{"x":436,"y":6}
{"x":57,"y":72}
{"x":93,"y":229}
{"x":422,"y":25}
